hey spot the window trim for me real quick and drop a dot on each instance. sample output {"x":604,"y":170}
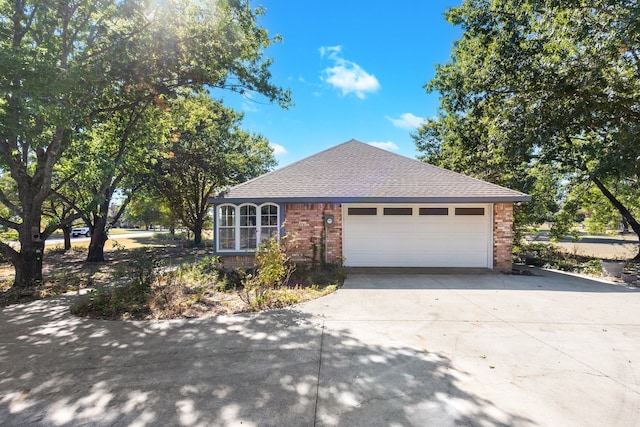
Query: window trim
{"x":237,"y":225}
{"x":468,"y":211}
{"x":434,"y":211}
{"x":397,"y":211}
{"x":362,"y":211}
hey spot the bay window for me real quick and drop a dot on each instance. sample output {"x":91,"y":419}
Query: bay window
{"x":243,"y":227}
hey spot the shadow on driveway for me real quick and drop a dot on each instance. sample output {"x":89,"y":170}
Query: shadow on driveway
{"x":279,"y":368}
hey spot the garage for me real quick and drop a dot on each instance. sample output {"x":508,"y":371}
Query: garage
{"x":417,"y":235}
{"x":367,"y":207}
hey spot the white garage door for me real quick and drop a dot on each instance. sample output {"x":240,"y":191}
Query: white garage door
{"x":417,"y":235}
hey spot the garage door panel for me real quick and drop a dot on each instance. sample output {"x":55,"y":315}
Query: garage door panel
{"x":417,"y":240}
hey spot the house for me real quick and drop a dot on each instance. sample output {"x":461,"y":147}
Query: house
{"x":369,"y":208}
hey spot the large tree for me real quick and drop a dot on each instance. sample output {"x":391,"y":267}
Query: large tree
{"x":68,"y":65}
{"x":208,"y":152}
{"x":113,"y":158}
{"x":542,"y":85}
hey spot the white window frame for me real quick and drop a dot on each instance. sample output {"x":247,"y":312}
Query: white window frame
{"x":237,"y":225}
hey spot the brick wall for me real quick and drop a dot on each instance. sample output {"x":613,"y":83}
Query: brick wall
{"x":502,"y":235}
{"x":238,"y":261}
{"x":306,"y":222}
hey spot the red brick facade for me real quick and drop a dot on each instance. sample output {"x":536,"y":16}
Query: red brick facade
{"x":306,"y":222}
{"x":502,"y":236}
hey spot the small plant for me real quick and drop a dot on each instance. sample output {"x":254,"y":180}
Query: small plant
{"x":593,"y":267}
{"x":117,"y":246}
{"x":57,"y":249}
{"x":273,"y":270}
{"x":127,"y":300}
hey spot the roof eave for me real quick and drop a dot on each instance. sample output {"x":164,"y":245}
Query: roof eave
{"x":448,"y":199}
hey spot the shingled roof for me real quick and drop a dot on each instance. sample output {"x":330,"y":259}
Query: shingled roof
{"x":358,"y":172}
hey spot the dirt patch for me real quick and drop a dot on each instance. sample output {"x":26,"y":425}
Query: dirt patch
{"x":185,"y":283}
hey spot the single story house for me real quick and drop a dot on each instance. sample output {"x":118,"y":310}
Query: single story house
{"x":368,"y":207}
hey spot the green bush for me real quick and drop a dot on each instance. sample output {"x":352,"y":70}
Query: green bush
{"x":273,"y":269}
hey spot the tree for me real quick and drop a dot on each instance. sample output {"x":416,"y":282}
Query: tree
{"x":69,"y":65}
{"x":113,"y":157}
{"x":145,"y":209}
{"x":57,"y":211}
{"x":534,"y":85}
{"x":208,"y":152}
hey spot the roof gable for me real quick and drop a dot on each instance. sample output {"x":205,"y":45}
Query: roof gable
{"x":355,"y":171}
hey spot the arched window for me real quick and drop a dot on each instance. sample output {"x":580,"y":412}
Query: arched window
{"x":242,"y":228}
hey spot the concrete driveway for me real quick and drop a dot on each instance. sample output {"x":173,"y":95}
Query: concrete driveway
{"x":389,"y":349}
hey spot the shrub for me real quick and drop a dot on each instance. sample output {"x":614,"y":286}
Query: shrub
{"x":129,"y":299}
{"x":273,"y":270}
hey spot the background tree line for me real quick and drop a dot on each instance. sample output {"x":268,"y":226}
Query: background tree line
{"x":99,"y":96}
{"x":544,"y":97}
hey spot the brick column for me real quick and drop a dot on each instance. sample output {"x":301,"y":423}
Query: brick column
{"x":502,"y":236}
{"x":306,"y":222}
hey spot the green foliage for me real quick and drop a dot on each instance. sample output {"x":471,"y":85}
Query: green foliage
{"x":88,"y":94}
{"x":272,"y":263}
{"x":206,"y":153}
{"x":268,"y":287}
{"x":204,"y":273}
{"x":538,"y":95}
{"x":272,"y":271}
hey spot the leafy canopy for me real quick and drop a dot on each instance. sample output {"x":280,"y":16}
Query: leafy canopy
{"x":539,"y":93}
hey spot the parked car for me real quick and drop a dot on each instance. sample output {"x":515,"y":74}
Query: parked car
{"x":80,"y":231}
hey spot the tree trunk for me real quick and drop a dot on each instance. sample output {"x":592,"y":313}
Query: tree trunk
{"x":635,"y":226}
{"x":28,"y":262}
{"x":98,"y":239}
{"x":197,"y":232}
{"x":28,"y":267}
{"x":66,"y":232}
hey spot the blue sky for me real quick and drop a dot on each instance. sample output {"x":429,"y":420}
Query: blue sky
{"x":356,"y":69}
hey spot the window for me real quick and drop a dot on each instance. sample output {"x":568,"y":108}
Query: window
{"x":398,"y":211}
{"x":470,"y":211}
{"x":268,"y":221}
{"x":242,"y":228}
{"x":248,"y":229}
{"x":362,"y":211}
{"x":434,"y":211}
{"x":226,"y":227}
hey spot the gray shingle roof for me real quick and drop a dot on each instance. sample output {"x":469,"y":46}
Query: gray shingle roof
{"x":358,"y":172}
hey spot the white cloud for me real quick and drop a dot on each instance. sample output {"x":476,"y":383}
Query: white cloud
{"x":278,"y":150}
{"x":249,"y":108}
{"x":407,"y":121}
{"x":331,"y":50}
{"x":346,"y":75}
{"x":389,"y":146}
